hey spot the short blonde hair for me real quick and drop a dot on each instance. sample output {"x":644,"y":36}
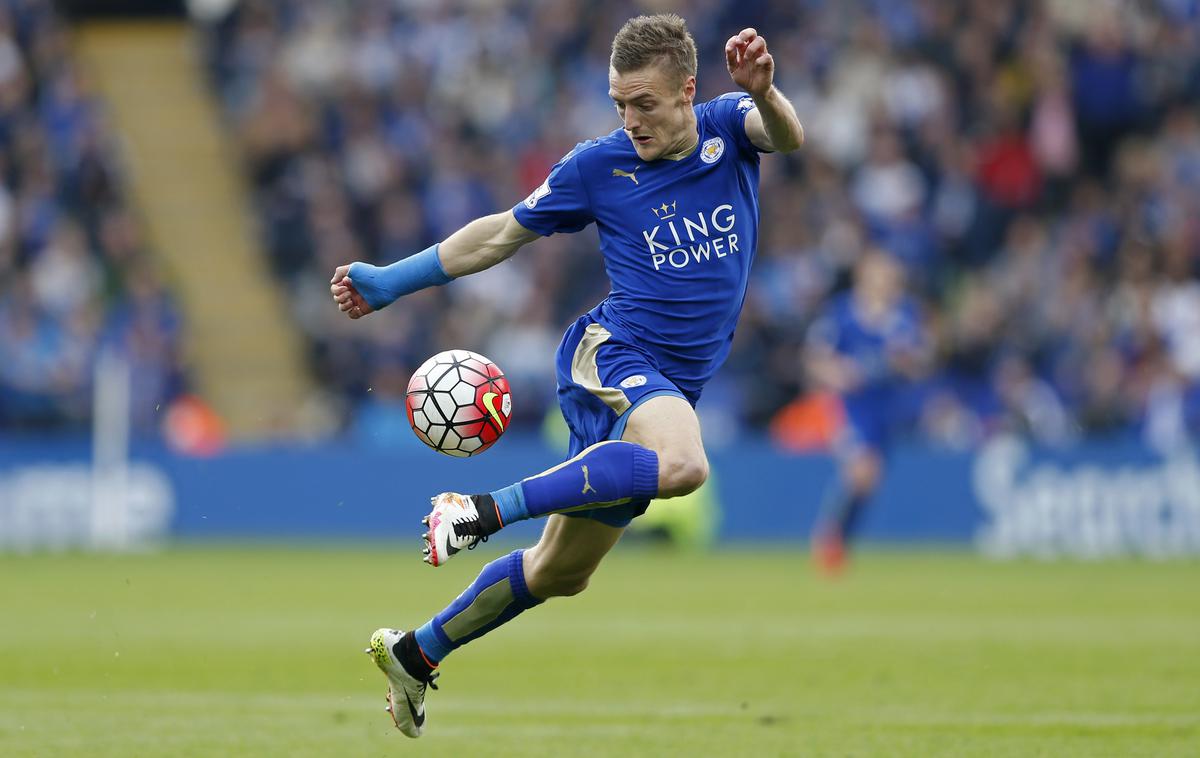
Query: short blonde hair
{"x":647,"y":40}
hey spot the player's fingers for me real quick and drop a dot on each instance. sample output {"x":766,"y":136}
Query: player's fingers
{"x":764,"y":61}
{"x":360,"y":306}
{"x":756,"y":48}
{"x":731,"y":53}
{"x":339,"y":273}
{"x":748,"y":34}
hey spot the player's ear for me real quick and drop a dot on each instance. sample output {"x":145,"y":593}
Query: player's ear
{"x":689,"y":90}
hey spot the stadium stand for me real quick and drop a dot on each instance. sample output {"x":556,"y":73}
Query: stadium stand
{"x":76,"y":274}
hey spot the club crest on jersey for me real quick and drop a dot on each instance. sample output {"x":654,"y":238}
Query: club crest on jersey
{"x":745,"y":104}
{"x":712,"y":150}
{"x":637,"y":380}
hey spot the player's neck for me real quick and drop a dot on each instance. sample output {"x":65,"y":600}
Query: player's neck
{"x":686,"y":144}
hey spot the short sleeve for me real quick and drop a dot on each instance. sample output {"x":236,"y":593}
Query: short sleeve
{"x":729,"y":111}
{"x":560,"y":204}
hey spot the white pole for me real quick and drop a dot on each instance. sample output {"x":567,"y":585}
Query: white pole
{"x":110,"y":452}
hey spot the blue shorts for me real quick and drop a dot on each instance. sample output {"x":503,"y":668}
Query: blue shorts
{"x":867,"y":428}
{"x":601,"y":379}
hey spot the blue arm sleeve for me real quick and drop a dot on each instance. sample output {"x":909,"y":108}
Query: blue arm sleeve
{"x":380,"y":286}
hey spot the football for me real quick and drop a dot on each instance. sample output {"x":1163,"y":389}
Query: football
{"x":458,"y":403}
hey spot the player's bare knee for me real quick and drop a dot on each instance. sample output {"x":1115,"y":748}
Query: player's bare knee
{"x":571,"y":585}
{"x":546,"y":584}
{"x":863,"y":473}
{"x":681,"y":474}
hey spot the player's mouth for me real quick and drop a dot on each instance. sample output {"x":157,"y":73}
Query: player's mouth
{"x":642,"y":140}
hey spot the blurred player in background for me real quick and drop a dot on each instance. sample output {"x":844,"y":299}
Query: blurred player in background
{"x":867,"y":347}
{"x":674,"y":195}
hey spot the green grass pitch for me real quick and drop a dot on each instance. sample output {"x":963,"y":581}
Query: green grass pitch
{"x":258,"y":651}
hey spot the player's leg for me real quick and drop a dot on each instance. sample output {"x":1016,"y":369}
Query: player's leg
{"x":668,"y":425}
{"x":860,"y":466}
{"x":567,"y":555}
{"x":858,"y":478}
{"x":560,"y":564}
{"x":651,"y":447}
{"x":660,"y":454}
{"x":621,"y":412}
{"x":570,"y":549}
{"x":613,"y":472}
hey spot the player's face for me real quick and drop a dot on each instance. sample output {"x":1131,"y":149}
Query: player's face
{"x":656,"y":109}
{"x":880,"y":279}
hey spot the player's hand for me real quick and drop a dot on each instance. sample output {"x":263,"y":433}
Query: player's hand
{"x":345,"y":295}
{"x":749,"y":63}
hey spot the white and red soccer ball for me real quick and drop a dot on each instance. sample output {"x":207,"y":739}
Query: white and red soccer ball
{"x":458,"y":403}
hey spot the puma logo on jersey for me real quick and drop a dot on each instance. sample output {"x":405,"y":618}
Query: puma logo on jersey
{"x":630,"y":174}
{"x":587,"y":486}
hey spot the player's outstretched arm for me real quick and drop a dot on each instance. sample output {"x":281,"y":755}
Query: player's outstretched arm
{"x":360,"y":288}
{"x":773,"y":125}
{"x":483,"y":243}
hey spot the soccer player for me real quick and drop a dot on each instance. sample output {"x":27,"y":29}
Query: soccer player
{"x":866,"y":347}
{"x":673,"y":193}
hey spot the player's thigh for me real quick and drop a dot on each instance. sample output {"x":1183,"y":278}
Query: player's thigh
{"x":567,"y":554}
{"x":668,"y":425}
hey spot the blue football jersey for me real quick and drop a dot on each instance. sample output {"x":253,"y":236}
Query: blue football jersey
{"x":871,"y":346}
{"x":678,"y":237}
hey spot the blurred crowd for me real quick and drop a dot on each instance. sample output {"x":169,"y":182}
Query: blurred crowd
{"x":75,"y":277}
{"x":1034,"y":167}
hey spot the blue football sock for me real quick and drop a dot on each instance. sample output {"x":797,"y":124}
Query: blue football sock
{"x":608,"y":473}
{"x":496,"y":596}
{"x":510,"y":504}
